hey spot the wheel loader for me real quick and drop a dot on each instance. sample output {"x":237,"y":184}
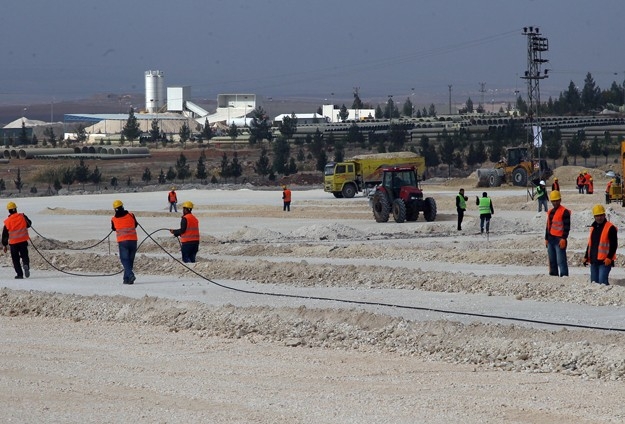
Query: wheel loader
{"x":516,"y":168}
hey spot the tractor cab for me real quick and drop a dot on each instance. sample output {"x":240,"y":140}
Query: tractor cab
{"x":399,"y":181}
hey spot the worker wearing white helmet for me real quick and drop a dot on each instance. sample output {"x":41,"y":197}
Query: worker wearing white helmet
{"x":541,"y":196}
{"x":189,"y":233}
{"x":15,"y":235}
{"x":602,"y":244}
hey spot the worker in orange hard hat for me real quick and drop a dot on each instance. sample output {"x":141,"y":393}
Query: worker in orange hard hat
{"x":556,"y":235}
{"x":125,"y":225}
{"x":602,"y":244}
{"x":15,"y":235}
{"x":189,"y":233}
{"x":172,"y":198}
{"x":286,"y":198}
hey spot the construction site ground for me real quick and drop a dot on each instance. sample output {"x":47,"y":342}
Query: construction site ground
{"x":318,"y":315}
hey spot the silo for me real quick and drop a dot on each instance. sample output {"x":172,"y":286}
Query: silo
{"x":154,"y":91}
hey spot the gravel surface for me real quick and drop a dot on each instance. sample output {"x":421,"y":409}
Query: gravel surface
{"x":177,"y":348}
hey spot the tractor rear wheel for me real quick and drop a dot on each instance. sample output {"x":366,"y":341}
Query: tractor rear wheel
{"x":429,"y":209}
{"x":399,"y":211}
{"x":381,"y":208}
{"x":519,"y":177}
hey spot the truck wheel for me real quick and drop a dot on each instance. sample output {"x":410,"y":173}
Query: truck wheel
{"x":349,"y":191}
{"x":429,"y":209}
{"x":519,"y":177}
{"x":338,"y":194}
{"x":399,"y":211}
{"x":381,"y":208}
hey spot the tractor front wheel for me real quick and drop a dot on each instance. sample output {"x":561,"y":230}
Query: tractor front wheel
{"x":399,"y":211}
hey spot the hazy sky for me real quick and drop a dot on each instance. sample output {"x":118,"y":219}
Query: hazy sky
{"x":304,"y":49}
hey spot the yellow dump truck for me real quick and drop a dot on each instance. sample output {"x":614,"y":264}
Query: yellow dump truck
{"x":362,"y":173}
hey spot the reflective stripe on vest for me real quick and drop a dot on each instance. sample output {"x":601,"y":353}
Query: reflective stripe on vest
{"x":556,"y":226}
{"x":604,"y":242}
{"x":192,"y":233}
{"x":18,"y":228}
{"x":484,"y":206}
{"x":125,"y":227}
{"x":461,"y":202}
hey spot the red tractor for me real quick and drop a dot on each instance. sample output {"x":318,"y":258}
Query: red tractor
{"x":399,"y":194}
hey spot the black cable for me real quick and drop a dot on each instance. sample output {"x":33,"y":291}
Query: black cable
{"x":70,"y":248}
{"x":389,"y":305}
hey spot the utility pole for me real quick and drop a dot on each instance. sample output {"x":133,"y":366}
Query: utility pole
{"x":449,"y":98}
{"x":482,"y":90}
{"x":536,"y":45}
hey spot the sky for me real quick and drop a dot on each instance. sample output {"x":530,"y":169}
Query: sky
{"x":322,"y":49}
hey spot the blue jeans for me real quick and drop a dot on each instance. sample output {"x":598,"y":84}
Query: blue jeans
{"x":557,"y":257}
{"x":599,"y":273}
{"x":127,"y":251}
{"x":172,"y":205}
{"x":542,"y":203}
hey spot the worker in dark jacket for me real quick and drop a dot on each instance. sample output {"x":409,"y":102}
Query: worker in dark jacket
{"x":15,"y":235}
{"x":461,"y":206}
{"x":555,"y":186}
{"x":189,"y":233}
{"x":602,"y":244}
{"x":125,"y":225}
{"x":485,"y":207}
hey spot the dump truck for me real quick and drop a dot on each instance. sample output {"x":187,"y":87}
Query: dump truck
{"x":362,"y":173}
{"x":516,"y":168}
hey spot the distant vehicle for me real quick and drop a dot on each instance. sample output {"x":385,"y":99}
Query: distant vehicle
{"x":364,"y":172}
{"x":517,"y":168}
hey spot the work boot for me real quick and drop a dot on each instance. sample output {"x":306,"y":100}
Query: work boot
{"x":26,"y":270}
{"x":18,"y":277}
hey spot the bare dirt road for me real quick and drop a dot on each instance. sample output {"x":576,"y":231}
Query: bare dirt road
{"x":177,"y":348}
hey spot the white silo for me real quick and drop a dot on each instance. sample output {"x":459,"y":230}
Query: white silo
{"x":154,"y":91}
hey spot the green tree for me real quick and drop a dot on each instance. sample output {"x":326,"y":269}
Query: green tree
{"x":171,"y":174}
{"x":155,"y":131}
{"x":68,"y":177}
{"x":288,"y":126}
{"x":235,"y":167}
{"x":207,"y":131}
{"x":96,"y":177}
{"x":114,"y":182}
{"x":132,"y":129}
{"x":233,"y":132}
{"x":408,"y":108}
{"x":81,"y":133}
{"x":281,"y":153}
{"x":182,"y":168}
{"x":554,"y":147}
{"x":343,"y":113}
{"x":574,"y":147}
{"x":185,"y":134}
{"x":225,"y":167}
{"x":322,"y":160}
{"x":357,"y":103}
{"x":262,"y":167}
{"x":81,"y":173}
{"x":147,"y":175}
{"x":378,"y":112}
{"x":595,"y":148}
{"x":339,"y":152}
{"x":432,"y":110}
{"x":591,"y":94}
{"x":23,"y":138}
{"x":200,"y":170}
{"x":292,"y":166}
{"x":161,"y":177}
{"x":260,"y":127}
{"x":447,"y":153}
{"x":19,"y":184}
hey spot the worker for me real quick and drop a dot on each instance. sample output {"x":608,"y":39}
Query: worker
{"x":286,"y":199}
{"x":602,"y":244}
{"x":461,"y":206}
{"x":555,"y":186}
{"x":172,"y":198}
{"x":189,"y":233}
{"x":485,"y":207}
{"x":556,"y":235}
{"x":607,"y":190}
{"x":587,"y":178}
{"x":125,"y":225}
{"x":580,"y":182}
{"x":15,"y":235}
{"x":541,"y":195}
{"x":590,"y":187}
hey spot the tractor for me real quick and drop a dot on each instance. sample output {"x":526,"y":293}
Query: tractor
{"x":400,"y":194}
